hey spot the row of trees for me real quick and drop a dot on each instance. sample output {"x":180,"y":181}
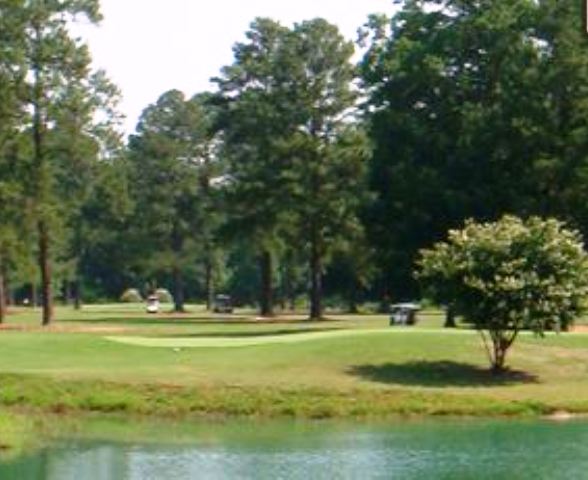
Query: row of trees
{"x":275,"y":149}
{"x":301,"y":171}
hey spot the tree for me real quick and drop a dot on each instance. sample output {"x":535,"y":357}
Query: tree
{"x":12,"y":148}
{"x":456,"y":110}
{"x":328,"y":150}
{"x":105,"y":265}
{"x":255,"y":118}
{"x":49,"y":60}
{"x":12,"y":223}
{"x":508,"y":275}
{"x":171,"y":176}
{"x":350,"y":272}
{"x":291,"y":143}
{"x":210,"y":170}
{"x":560,"y":170}
{"x":82,"y":146}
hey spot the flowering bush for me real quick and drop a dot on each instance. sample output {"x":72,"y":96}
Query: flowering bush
{"x":508,"y":275}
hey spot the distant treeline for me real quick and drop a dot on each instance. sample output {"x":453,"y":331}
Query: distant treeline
{"x":301,"y":175}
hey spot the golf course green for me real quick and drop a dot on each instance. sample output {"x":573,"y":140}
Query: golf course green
{"x":118,"y":359}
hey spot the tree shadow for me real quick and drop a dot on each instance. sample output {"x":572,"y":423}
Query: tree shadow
{"x":252,"y":334}
{"x":439,"y":374}
{"x":169,"y":319}
{"x":163,"y":320}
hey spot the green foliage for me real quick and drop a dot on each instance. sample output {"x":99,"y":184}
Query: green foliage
{"x":256,"y":118}
{"x":292,"y":149}
{"x":47,"y":83}
{"x":475,"y":109}
{"x":328,"y":151}
{"x":508,"y":275}
{"x":471,"y":109}
{"x":172,"y":164}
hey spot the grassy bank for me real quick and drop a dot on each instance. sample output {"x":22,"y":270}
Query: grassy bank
{"x":20,"y":432}
{"x":38,"y":395}
{"x":110,"y":359}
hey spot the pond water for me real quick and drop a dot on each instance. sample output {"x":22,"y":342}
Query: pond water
{"x":405,"y":450}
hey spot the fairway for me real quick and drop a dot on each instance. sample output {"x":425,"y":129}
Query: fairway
{"x":117,"y":358}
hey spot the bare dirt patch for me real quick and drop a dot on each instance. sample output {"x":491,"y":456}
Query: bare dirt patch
{"x":60,"y":328}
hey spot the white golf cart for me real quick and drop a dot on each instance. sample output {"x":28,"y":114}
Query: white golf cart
{"x":152,"y":304}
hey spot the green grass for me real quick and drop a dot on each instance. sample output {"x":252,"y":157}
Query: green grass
{"x":20,"y":432}
{"x":117,"y":359}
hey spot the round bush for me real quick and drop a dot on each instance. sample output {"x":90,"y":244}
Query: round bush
{"x":164,"y":296}
{"x":508,"y":275}
{"x":131,"y":295}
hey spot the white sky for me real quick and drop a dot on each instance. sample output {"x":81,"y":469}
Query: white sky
{"x":151,"y":46}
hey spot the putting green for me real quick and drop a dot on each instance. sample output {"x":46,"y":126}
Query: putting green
{"x":249,"y":341}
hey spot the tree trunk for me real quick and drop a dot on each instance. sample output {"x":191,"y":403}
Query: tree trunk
{"x":266,"y":300}
{"x":45,"y":267}
{"x":385,"y":300}
{"x":289,"y":294}
{"x":450,"y":317}
{"x":66,"y":289}
{"x":34,"y":295}
{"x":8,"y":290}
{"x":501,"y":342}
{"x":10,"y":298}
{"x":209,"y":285}
{"x":2,"y":295}
{"x":316,"y":287}
{"x":499,"y":358}
{"x":178,"y":290}
{"x":42,"y":182}
{"x":353,"y":297}
{"x":77,"y":293}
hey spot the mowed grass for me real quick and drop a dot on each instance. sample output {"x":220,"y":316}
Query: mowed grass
{"x":348,"y":365}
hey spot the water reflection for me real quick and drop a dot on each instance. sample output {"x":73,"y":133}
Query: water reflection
{"x":414,"y":451}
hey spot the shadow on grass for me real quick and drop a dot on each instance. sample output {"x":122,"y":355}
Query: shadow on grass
{"x":167,"y":320}
{"x":439,"y":374}
{"x":250,"y":333}
{"x":187,"y":319}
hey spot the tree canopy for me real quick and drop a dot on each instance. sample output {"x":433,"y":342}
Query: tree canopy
{"x":469,"y":112}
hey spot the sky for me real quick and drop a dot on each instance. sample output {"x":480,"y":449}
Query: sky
{"x":150,"y":46}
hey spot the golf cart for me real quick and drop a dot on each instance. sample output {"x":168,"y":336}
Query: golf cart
{"x":152,"y":304}
{"x":404,"y":313}
{"x":222,"y":304}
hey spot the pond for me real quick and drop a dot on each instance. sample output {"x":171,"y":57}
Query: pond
{"x":404,"y":449}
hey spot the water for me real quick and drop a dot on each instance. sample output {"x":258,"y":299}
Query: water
{"x":404,"y":450}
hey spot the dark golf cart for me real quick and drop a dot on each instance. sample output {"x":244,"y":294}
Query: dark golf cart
{"x":222,"y":304}
{"x":404,"y":313}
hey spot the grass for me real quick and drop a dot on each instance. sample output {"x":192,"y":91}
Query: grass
{"x":21,"y":432}
{"x":117,"y":359}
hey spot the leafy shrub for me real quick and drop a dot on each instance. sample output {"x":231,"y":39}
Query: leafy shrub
{"x":508,"y":275}
{"x":131,"y":295}
{"x":164,"y":296}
